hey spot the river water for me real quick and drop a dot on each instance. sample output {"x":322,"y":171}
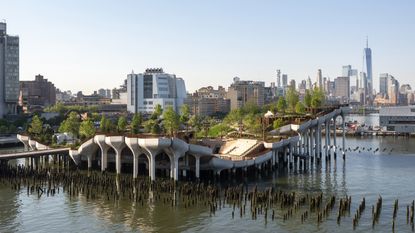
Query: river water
{"x":389,"y":173}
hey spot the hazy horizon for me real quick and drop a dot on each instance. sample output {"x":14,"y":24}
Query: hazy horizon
{"x":94,"y":44}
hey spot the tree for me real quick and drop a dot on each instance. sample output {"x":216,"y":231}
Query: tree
{"x":317,"y":98}
{"x":307,"y":98}
{"x":277,"y":123}
{"x":299,"y":108}
{"x":196,"y":122}
{"x":281,"y":105}
{"x":292,"y":98}
{"x":136,"y":123}
{"x":36,"y":126}
{"x":87,"y":129}
{"x":185,"y":115}
{"x":71,"y":125}
{"x":157,"y":112}
{"x":102,"y":124}
{"x":122,"y":124}
{"x":251,"y":123}
{"x":171,"y":120}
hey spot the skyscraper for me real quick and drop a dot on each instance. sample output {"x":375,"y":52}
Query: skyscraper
{"x":9,"y":72}
{"x":383,"y":83}
{"x":284,"y":80}
{"x":342,"y":89}
{"x":278,"y":78}
{"x":319,"y":81}
{"x":367,"y":63}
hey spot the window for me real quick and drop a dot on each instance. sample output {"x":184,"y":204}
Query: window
{"x":148,"y":86}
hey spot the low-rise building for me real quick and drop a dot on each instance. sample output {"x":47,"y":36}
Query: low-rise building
{"x":207,"y":101}
{"x":400,"y":119}
{"x":39,"y":92}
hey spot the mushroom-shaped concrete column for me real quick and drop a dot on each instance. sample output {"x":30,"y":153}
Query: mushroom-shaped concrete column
{"x":100,"y":141}
{"x":153,"y":146}
{"x":199,"y":151}
{"x":132,"y":143}
{"x":88,"y":148}
{"x":117,"y":143}
{"x":177,"y":150}
{"x":25,"y":140}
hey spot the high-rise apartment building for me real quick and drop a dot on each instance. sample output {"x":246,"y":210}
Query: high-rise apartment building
{"x":207,"y":101}
{"x":9,"y":72}
{"x":278,"y":78}
{"x":242,"y":92}
{"x":383,"y":83}
{"x":146,"y":90}
{"x":342,"y":89}
{"x":284,"y":80}
{"x":319,"y":81}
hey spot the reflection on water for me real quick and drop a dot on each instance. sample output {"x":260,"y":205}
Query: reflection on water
{"x":365,"y":174}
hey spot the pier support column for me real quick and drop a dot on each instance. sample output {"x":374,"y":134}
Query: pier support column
{"x":135,"y":165}
{"x":326,"y":142}
{"x":344,"y":135}
{"x":100,"y":140}
{"x":197,"y":167}
{"x":89,"y":157}
{"x":334,"y":138}
{"x":311,"y":152}
{"x":291,"y":156}
{"x":117,"y":143}
{"x":285,"y":156}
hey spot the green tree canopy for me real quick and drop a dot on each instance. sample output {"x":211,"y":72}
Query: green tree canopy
{"x":317,"y":99}
{"x":278,"y":123}
{"x":292,"y":98}
{"x":281,"y":105}
{"x":70,"y":124}
{"x":36,"y":126}
{"x":307,"y":98}
{"x":184,"y":115}
{"x":136,"y":123}
{"x":86,"y":129}
{"x":157,"y":112}
{"x":171,"y":120}
{"x":299,"y":108}
{"x":102,"y":123}
{"x":122,"y":124}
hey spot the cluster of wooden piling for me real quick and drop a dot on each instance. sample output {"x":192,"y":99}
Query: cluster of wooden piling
{"x":269,"y":204}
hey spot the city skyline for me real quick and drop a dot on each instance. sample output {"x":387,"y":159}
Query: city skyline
{"x":70,"y":45}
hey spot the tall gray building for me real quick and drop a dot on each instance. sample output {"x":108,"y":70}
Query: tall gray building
{"x":367,"y":57}
{"x":383,"y":83}
{"x":342,"y":89}
{"x":9,"y":72}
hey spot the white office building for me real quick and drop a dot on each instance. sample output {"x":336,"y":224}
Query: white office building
{"x":146,"y":90}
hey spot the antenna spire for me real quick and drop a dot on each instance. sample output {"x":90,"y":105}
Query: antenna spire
{"x":367,"y":42}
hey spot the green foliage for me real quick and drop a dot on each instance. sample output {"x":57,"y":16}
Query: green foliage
{"x":136,"y":123}
{"x":317,"y":99}
{"x":185,"y":115}
{"x":71,"y":125}
{"x":122,"y":124}
{"x":36,"y":126}
{"x":196,"y":122}
{"x":86,"y":129}
{"x":278,"y":123}
{"x":171,"y":120}
{"x":251,"y":123}
{"x":219,"y":130}
{"x":61,"y":108}
{"x":152,"y":126}
{"x":157,"y":112}
{"x":102,"y":124}
{"x":307,"y":98}
{"x":299,"y":108}
{"x":281,"y":105}
{"x":7,"y":126}
{"x":292,"y":98}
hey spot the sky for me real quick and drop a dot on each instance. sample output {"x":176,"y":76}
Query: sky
{"x":90,"y":44}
